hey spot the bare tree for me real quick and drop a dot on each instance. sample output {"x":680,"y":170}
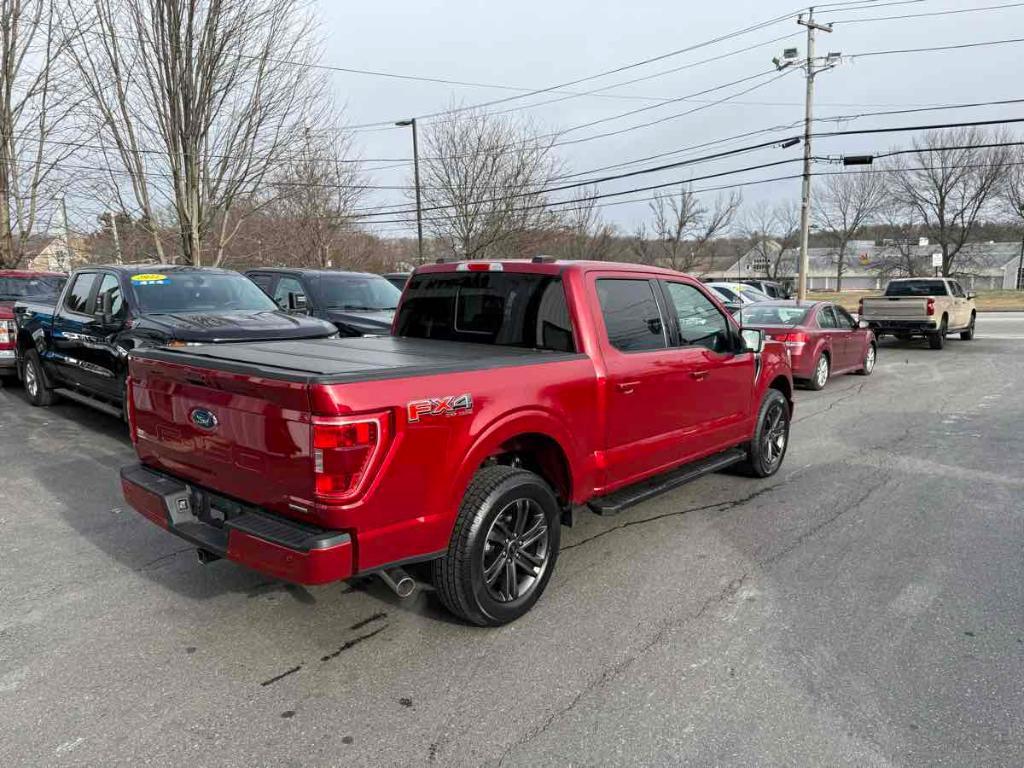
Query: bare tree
{"x":899,"y":252}
{"x":196,"y":101}
{"x":684,"y":226}
{"x":949,"y":181}
{"x":1011,"y":196}
{"x":35,"y":104}
{"x":773,"y":234}
{"x":586,"y":234}
{"x":846,"y":203}
{"x":482,"y":181}
{"x":315,"y":192}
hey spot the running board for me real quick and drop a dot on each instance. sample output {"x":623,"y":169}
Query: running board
{"x":99,"y":405}
{"x":624,"y":498}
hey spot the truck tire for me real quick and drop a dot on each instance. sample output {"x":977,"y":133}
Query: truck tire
{"x":822,"y":370}
{"x":937,"y":340}
{"x":39,"y":393}
{"x":771,"y":437}
{"x":503,"y":548}
{"x":968,"y":335}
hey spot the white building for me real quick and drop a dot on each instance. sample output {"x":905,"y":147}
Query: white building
{"x":870,"y":265}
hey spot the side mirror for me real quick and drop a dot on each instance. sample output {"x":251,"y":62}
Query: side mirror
{"x":297,"y":302}
{"x":753,"y":340}
{"x":106,"y":308}
{"x":863,"y":324}
{"x":972,"y":296}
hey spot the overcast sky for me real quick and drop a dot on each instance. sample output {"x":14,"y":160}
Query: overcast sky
{"x":535,"y":44}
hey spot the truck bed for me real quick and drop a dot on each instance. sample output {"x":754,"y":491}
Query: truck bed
{"x":339,"y":361}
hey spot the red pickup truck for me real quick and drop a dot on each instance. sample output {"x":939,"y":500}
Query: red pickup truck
{"x":18,"y":285}
{"x":509,"y":393}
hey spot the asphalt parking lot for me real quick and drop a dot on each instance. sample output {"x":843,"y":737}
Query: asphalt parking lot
{"x":864,"y":607}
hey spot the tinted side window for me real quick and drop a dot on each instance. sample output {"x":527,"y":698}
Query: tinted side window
{"x":700,"y":323}
{"x":285,"y":286}
{"x":727,"y":294}
{"x":631,"y":315}
{"x":844,"y":318}
{"x":264,"y":281}
{"x":958,"y":290}
{"x":826,"y":319}
{"x":111,"y":286}
{"x":78,"y":297}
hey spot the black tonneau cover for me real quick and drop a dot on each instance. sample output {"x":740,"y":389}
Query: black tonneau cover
{"x":364,"y":358}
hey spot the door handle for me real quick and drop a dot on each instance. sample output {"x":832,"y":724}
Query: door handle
{"x":698,"y":375}
{"x":627,"y":387}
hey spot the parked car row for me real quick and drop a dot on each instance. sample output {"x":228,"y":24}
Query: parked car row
{"x":317,"y":426}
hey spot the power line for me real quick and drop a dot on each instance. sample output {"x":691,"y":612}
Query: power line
{"x":928,"y":14}
{"x":931,"y":49}
{"x":380,"y":211}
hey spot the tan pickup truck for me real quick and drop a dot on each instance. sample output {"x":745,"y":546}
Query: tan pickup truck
{"x":923,"y":307}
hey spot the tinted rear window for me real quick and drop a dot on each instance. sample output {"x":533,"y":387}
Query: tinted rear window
{"x":12,"y":288}
{"x":500,"y":308}
{"x":758,"y":314}
{"x":916,"y":288}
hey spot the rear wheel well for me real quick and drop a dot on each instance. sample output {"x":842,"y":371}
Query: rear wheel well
{"x":541,"y":455}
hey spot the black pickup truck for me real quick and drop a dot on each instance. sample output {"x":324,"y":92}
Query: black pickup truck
{"x":78,"y":347}
{"x":357,"y":303}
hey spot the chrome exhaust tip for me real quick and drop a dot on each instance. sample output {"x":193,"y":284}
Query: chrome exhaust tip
{"x":399,"y":582}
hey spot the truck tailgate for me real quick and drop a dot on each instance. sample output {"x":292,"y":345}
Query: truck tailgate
{"x":896,"y":308}
{"x":225,"y":431}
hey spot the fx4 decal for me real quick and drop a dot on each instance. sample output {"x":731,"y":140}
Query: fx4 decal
{"x":451,"y":405}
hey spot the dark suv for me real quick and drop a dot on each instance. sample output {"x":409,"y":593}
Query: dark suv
{"x":357,"y":303}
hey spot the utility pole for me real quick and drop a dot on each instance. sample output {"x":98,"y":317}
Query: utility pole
{"x":805,"y":205}
{"x":416,"y":173}
{"x":812,"y":68}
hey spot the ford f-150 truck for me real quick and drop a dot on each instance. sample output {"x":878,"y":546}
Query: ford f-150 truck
{"x":509,"y":394}
{"x":19,"y":285}
{"x":78,"y":347}
{"x":921,"y":306}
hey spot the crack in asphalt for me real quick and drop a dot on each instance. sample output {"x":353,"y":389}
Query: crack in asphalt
{"x":842,"y":399}
{"x":156,"y":562}
{"x":352,"y":643}
{"x":615,"y":670}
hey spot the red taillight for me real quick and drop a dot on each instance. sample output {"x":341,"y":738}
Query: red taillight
{"x":931,"y":306}
{"x":345,"y":454}
{"x":8,"y":334}
{"x":791,"y":339}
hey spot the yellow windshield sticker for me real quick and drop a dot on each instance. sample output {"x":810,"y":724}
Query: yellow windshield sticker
{"x":149,"y":279}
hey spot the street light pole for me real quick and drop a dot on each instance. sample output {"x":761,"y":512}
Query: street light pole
{"x":416,"y":173}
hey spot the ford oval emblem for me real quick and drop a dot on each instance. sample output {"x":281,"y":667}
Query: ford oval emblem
{"x":203,"y":418}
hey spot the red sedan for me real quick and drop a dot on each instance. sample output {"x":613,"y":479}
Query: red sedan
{"x":822,"y":338}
